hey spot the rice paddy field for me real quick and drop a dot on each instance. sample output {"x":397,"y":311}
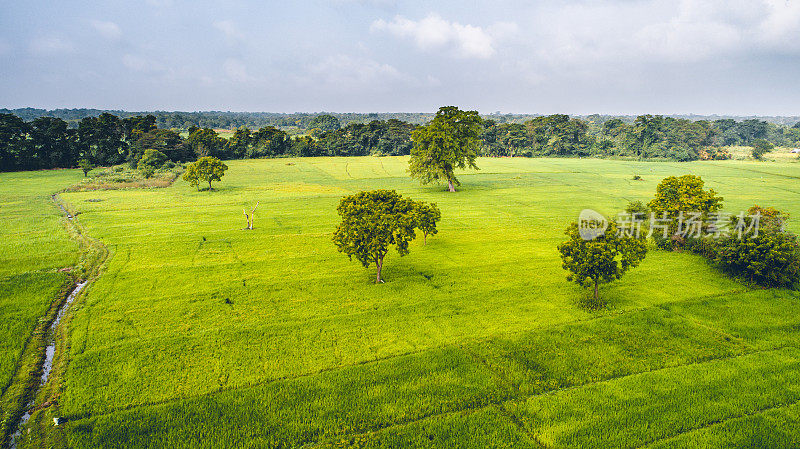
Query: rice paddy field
{"x":200,"y":334}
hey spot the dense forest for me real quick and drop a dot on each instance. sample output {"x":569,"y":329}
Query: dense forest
{"x":29,"y":141}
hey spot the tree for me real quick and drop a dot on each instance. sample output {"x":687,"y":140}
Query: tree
{"x":761,"y":146}
{"x":372,"y":222}
{"x":164,"y":140}
{"x":771,"y":258}
{"x":153,"y":159}
{"x":86,"y":166}
{"x":52,"y":143}
{"x":427,"y":215}
{"x":205,"y":142}
{"x":13,"y":141}
{"x":205,"y":169}
{"x":602,"y":259}
{"x":103,"y":138}
{"x":251,"y":216}
{"x":448,"y":142}
{"x":681,"y":195}
{"x":324,"y":122}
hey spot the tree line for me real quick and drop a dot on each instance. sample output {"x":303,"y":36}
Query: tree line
{"x":49,"y":142}
{"x":108,"y":139}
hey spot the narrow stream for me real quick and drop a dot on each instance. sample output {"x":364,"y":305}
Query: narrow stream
{"x":50,"y":351}
{"x":48,"y":360}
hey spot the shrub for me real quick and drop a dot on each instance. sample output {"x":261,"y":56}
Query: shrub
{"x":152,"y":159}
{"x":770,"y":259}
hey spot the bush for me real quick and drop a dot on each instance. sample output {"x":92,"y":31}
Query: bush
{"x":152,"y":159}
{"x":771,"y":259}
{"x":147,"y":172}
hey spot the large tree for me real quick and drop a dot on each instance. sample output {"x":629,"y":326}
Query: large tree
{"x":448,"y":142}
{"x":602,"y":259}
{"x":677,"y":197}
{"x":205,"y":142}
{"x":205,"y":169}
{"x":372,"y":222}
{"x":13,"y":142}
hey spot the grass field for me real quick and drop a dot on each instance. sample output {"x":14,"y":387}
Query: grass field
{"x":33,"y":246}
{"x":201,"y":334}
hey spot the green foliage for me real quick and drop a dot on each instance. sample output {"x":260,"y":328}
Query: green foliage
{"x":681,"y":194}
{"x":151,"y":160}
{"x":426,"y":216}
{"x":205,"y":142}
{"x":324,"y":122}
{"x":372,"y":222}
{"x":206,"y":169}
{"x":85,"y":166}
{"x":448,"y":142}
{"x":760,"y":147}
{"x":600,"y":260}
{"x":771,"y":259}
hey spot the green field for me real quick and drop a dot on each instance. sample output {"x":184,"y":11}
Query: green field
{"x":201,"y":334}
{"x":33,"y":247}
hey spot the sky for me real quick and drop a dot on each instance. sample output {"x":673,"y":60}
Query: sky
{"x":576,"y":57}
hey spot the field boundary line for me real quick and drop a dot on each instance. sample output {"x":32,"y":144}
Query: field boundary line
{"x":722,"y":421}
{"x":459,"y":346}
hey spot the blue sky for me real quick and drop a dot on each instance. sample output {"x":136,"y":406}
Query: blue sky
{"x":577,"y":57}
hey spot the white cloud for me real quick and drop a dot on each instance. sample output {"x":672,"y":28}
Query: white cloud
{"x":236,"y":70}
{"x":229,"y":29}
{"x":347,"y":72}
{"x":51,"y":45}
{"x":433,"y":32}
{"x":141,"y":64}
{"x":109,"y":30}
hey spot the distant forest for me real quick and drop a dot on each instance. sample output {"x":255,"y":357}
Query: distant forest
{"x":37,"y":139}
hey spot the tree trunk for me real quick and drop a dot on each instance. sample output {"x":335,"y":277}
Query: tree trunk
{"x":379,"y":263}
{"x":424,"y":238}
{"x":209,"y":186}
{"x":452,"y":188}
{"x":595,"y":289}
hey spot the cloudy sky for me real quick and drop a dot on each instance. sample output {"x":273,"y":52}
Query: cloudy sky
{"x":578,"y":57}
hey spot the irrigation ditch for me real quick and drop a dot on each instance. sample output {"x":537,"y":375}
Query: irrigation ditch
{"x":35,"y":420}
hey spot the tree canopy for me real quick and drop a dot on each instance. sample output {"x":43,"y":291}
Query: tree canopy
{"x":206,"y":169}
{"x":448,"y":142}
{"x":600,"y":260}
{"x":374,"y":221}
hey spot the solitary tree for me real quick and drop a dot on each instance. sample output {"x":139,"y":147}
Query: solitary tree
{"x":761,"y":146}
{"x":371,"y":223}
{"x":602,"y":259}
{"x":681,"y":194}
{"x":427,"y":215}
{"x":86,"y":166}
{"x":251,"y":216}
{"x":205,"y":169}
{"x":448,"y":142}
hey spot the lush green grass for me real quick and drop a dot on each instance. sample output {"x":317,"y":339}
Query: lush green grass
{"x":201,"y":334}
{"x":33,"y":245}
{"x":23,"y":299}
